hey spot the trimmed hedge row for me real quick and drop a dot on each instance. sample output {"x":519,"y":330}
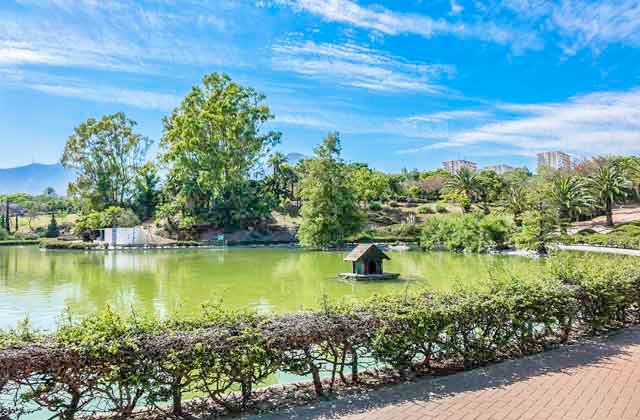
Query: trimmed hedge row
{"x":113,"y":363}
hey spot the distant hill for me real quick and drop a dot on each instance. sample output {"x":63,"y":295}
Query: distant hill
{"x":34,"y":178}
{"x":293,"y":158}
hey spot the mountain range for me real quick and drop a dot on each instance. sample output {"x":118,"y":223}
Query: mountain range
{"x":35,"y":178}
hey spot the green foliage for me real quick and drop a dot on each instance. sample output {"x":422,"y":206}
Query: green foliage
{"x":329,"y":212}
{"x":369,"y":185}
{"x":462,"y":188}
{"x":211,"y":143}
{"x":426,"y":209}
{"x":147,"y":194}
{"x":471,"y":232}
{"x":441,"y":208}
{"x":489,"y":188}
{"x":624,"y":236}
{"x":537,"y":230}
{"x":88,"y":224}
{"x":106,"y":155}
{"x":608,"y":186}
{"x":569,"y":195}
{"x":52,"y":229}
{"x":70,"y":245}
{"x":4,"y":235}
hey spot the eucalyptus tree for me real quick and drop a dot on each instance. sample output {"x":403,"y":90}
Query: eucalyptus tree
{"x":329,"y":211}
{"x":106,"y":155}
{"x":211,"y":144}
{"x":570,"y":196}
{"x":608,"y":186}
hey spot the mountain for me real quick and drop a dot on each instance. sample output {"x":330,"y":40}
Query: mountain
{"x":293,"y":158}
{"x":34,"y":178}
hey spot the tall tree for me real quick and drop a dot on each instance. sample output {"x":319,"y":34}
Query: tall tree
{"x":608,"y":186}
{"x":516,"y":201}
{"x":329,"y":211}
{"x":106,"y":155}
{"x":147,"y":195}
{"x":211,"y":142}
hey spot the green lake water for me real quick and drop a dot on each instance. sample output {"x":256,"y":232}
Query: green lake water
{"x":41,"y":284}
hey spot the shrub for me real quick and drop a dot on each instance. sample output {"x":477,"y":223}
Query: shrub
{"x":426,"y":209}
{"x":70,"y":245}
{"x":470,"y":232}
{"x":4,"y":235}
{"x":441,"y":208}
{"x":375,"y":206}
{"x":52,"y":229}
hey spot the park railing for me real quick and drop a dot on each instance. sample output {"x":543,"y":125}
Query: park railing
{"x":114,"y":365}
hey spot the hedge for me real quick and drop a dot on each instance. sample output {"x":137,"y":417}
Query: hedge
{"x":19,"y":242}
{"x":111,"y":363}
{"x":71,"y":245}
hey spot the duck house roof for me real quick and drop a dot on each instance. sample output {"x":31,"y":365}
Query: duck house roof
{"x":362,"y":250}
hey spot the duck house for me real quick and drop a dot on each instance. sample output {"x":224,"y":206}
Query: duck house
{"x":367,"y":264}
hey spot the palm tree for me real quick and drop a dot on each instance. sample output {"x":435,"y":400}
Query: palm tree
{"x":569,"y":195}
{"x":465,"y":182}
{"x":516,"y":202}
{"x":608,"y":185}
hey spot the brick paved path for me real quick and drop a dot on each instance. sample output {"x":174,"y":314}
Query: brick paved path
{"x":599,"y":379}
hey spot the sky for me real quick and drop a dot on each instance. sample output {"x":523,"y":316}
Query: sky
{"x":406,"y":83}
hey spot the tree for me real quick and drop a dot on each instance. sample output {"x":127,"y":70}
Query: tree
{"x":516,"y":201}
{"x":211,"y":142}
{"x":369,"y":185}
{"x":489,"y":187}
{"x":329,"y":211}
{"x":464,"y":183}
{"x":147,"y":195}
{"x":608,"y":185}
{"x":569,"y":195}
{"x":538,"y":226}
{"x":106,"y":155}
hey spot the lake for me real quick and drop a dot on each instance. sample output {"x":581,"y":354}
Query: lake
{"x":41,"y":284}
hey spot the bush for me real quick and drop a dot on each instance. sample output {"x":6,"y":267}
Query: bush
{"x":375,"y":206}
{"x":626,"y":236}
{"x":70,"y":245}
{"x":115,"y":363}
{"x":470,"y":232}
{"x":4,"y":235}
{"x":426,"y":209}
{"x":441,"y":208}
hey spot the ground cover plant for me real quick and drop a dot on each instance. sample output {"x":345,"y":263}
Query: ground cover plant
{"x":114,"y":363}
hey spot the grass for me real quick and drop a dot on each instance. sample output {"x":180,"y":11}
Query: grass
{"x":41,"y":221}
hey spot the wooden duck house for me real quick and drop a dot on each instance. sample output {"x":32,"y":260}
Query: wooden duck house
{"x":367,"y":264}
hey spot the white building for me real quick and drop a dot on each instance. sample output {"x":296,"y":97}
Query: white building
{"x":554,"y":160}
{"x":125,"y":236}
{"x":455,"y":166}
{"x":501,"y":169}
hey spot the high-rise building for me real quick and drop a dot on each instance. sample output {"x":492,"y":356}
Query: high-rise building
{"x":455,"y":166}
{"x":500,"y":169}
{"x":554,"y":160}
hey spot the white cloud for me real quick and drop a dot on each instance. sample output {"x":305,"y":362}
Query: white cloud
{"x":596,"y":123}
{"x":454,"y":115}
{"x":394,"y":23}
{"x":357,"y":66}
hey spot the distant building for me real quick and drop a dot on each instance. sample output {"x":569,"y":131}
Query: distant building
{"x":554,"y":160}
{"x":500,"y":169}
{"x":455,"y":166}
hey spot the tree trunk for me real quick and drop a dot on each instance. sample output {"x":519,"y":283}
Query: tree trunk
{"x":609,"y":213}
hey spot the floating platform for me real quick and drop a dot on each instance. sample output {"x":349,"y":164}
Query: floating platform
{"x":383,"y":276}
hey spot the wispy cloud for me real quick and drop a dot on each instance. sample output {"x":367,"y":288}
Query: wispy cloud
{"x":357,"y":66}
{"x":395,"y":23}
{"x":75,"y":88}
{"x":454,"y":115}
{"x":121,"y":35}
{"x":596,"y":123}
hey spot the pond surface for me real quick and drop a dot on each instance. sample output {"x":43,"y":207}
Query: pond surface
{"x":41,"y":284}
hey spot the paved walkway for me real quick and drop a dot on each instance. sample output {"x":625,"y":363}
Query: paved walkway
{"x":599,"y":379}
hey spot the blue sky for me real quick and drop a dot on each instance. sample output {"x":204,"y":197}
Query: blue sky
{"x":407,"y":83}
